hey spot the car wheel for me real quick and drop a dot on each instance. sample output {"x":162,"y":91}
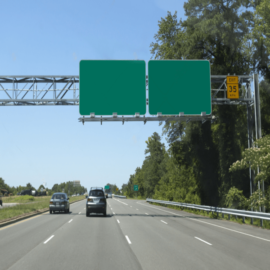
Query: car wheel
{"x":50,"y":211}
{"x":87,"y":214}
{"x":105,"y":214}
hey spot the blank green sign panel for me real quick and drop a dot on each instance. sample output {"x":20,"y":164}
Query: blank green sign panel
{"x":112,"y":86}
{"x":177,"y":86}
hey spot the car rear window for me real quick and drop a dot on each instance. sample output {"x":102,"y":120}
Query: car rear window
{"x":58,"y":196}
{"x":96,"y":193}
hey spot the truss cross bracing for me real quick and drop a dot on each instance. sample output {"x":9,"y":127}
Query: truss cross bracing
{"x":64,"y":90}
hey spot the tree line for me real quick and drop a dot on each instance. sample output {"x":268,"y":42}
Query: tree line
{"x":67,"y":187}
{"x":198,"y":165}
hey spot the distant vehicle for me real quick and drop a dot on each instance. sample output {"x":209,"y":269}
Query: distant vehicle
{"x":42,"y":193}
{"x":19,"y":193}
{"x":26,"y":192}
{"x":34,"y":193}
{"x":110,"y":195}
{"x":59,"y":202}
{"x":78,"y":194}
{"x":96,"y":202}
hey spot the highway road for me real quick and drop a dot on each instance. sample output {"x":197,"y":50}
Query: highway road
{"x":134,"y":235}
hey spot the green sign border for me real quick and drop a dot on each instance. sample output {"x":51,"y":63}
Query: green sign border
{"x":169,"y":82}
{"x":112,"y":86}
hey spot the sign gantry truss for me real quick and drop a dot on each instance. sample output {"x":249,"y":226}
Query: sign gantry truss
{"x":64,"y":90}
{"x":39,"y":90}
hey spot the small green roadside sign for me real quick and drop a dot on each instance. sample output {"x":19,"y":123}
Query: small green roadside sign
{"x":179,"y":86}
{"x":136,"y":187}
{"x":112,"y":86}
{"x":107,"y":187}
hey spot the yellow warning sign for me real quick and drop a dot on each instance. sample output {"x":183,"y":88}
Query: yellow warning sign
{"x":232,"y":87}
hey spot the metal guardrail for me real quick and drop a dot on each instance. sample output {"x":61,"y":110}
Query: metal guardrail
{"x":234,"y":212}
{"x":118,"y":196}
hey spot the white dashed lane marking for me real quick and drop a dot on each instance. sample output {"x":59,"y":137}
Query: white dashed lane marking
{"x":203,"y":241}
{"x":128,"y":239}
{"x":48,"y":239}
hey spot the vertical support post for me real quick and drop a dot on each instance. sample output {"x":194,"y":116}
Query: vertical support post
{"x":13,"y":92}
{"x":257,"y":112}
{"x":33,"y":88}
{"x":250,"y":140}
{"x":74,"y":90}
{"x":54,"y":91}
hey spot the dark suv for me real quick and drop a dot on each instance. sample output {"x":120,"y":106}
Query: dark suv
{"x":96,"y":202}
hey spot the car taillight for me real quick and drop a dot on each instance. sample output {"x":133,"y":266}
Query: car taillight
{"x":51,"y":202}
{"x":90,"y":200}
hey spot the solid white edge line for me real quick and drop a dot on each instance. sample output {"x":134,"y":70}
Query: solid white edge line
{"x":113,"y":213}
{"x":118,"y":221}
{"x":70,"y":220}
{"x":80,"y":212}
{"x":210,"y":224}
{"x":203,"y":241}
{"x":128,"y":239}
{"x":48,"y":239}
{"x":163,"y":221}
{"x":147,"y":214}
{"x":137,"y":209}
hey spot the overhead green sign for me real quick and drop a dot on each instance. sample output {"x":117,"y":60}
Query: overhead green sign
{"x":136,"y":187}
{"x":107,"y":187}
{"x":179,"y":86}
{"x":112,"y":86}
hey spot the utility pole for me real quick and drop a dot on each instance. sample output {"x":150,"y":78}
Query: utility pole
{"x":258,"y":128}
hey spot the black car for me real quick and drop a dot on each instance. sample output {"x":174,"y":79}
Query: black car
{"x":59,"y":202}
{"x":26,"y":192}
{"x":96,"y":202}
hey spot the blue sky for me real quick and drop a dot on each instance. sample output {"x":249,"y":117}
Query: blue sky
{"x":50,"y":38}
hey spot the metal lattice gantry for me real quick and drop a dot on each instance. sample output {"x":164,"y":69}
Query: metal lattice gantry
{"x":39,"y":90}
{"x":64,"y":90}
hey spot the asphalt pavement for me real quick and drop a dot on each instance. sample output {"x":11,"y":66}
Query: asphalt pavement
{"x":134,"y":235}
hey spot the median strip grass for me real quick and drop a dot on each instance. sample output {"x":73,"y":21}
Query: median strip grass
{"x":28,"y":205}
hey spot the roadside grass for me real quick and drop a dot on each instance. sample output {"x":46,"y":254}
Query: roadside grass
{"x":25,"y":207}
{"x":232,"y":218}
{"x":22,"y":199}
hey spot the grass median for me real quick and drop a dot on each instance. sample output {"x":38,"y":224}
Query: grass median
{"x":28,"y":204}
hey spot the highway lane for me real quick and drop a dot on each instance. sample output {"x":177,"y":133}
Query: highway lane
{"x":192,"y":241}
{"x":61,"y":241}
{"x":20,"y":238}
{"x":135,"y":235}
